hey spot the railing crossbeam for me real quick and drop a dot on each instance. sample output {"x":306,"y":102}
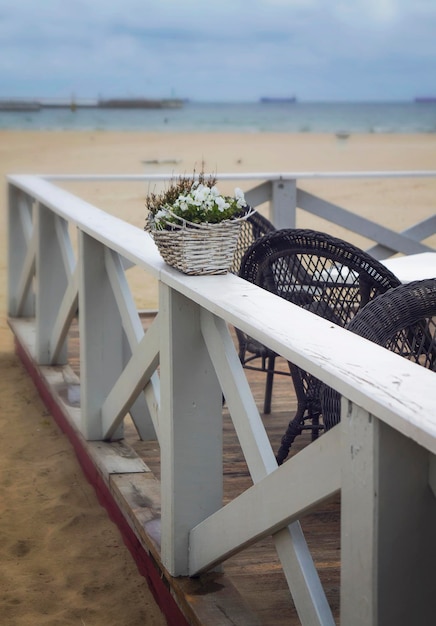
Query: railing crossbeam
{"x":142,"y":410}
{"x":417,"y":232}
{"x":396,"y":242}
{"x":66,"y":312}
{"x":52,"y":281}
{"x":68,"y":307}
{"x":291,"y":546}
{"x":244,"y":521}
{"x":134,"y":377}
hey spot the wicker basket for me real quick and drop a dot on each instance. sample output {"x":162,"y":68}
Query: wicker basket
{"x":199,"y":249}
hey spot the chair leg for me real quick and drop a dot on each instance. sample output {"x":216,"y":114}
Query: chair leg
{"x":294,"y":429}
{"x":315,"y":426}
{"x":269,"y":385}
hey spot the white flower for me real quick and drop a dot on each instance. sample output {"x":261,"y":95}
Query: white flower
{"x":160,"y":214}
{"x":201,"y":194}
{"x":240,"y":199}
{"x":221,"y":203}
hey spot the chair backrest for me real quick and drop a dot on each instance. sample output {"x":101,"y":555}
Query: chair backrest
{"x":402,"y":320}
{"x":326,"y":275}
{"x":252,"y":228}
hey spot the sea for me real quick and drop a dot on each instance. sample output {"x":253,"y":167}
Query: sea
{"x":249,"y":117}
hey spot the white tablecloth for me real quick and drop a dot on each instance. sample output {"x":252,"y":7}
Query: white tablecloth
{"x":413,"y":266}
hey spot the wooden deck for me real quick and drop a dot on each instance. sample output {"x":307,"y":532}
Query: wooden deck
{"x":251,"y":588}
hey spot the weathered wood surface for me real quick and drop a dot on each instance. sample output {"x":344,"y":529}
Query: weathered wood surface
{"x":254,"y":577}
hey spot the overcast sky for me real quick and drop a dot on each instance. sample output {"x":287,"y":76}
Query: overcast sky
{"x":222,"y":50}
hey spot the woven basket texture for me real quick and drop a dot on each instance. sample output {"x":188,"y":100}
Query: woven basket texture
{"x":198,"y":249}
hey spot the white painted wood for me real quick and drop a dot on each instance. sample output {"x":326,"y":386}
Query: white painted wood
{"x":394,"y":449}
{"x":25,"y":297}
{"x":387,"y":525}
{"x":132,"y":326}
{"x":284,"y":203}
{"x":25,"y":214}
{"x":152,"y":398}
{"x":24,"y":329}
{"x":21,"y":254}
{"x":101,"y":335}
{"x":399,"y":392}
{"x":270,"y":505}
{"x":51,"y":282}
{"x":242,"y":407}
{"x":65,"y":246}
{"x":131,"y":381}
{"x":95,"y":219}
{"x":128,"y":240}
{"x":297,"y":563}
{"x":334,"y":175}
{"x":144,"y":417}
{"x":406,"y":518}
{"x":419,"y":232}
{"x":65,"y":315}
{"x":358,"y":514}
{"x":258,"y":195}
{"x":68,"y":306}
{"x":129,"y":314}
{"x":358,"y":224}
{"x":302,"y":577}
{"x":190,"y":429}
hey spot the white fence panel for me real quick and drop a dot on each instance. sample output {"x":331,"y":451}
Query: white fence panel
{"x":382,"y":456}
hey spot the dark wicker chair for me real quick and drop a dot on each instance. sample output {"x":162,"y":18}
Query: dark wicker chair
{"x":324,"y":275}
{"x":250,"y":351}
{"x":255,"y":226}
{"x":402,"y":320}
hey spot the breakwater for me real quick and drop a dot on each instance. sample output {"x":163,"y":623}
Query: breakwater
{"x":17,"y":105}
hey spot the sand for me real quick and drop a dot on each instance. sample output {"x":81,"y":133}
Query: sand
{"x":62,"y":561}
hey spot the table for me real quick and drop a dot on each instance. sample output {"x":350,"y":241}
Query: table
{"x":413,"y":266}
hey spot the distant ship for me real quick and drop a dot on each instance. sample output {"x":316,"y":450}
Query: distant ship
{"x":426,"y":99}
{"x":289,"y":100}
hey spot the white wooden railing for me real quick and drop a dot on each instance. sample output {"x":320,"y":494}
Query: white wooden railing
{"x":381,"y":456}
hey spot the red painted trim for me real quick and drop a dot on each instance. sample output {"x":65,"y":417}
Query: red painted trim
{"x":145,"y":563}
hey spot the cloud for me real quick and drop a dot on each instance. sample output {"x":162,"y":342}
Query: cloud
{"x":227,"y":50}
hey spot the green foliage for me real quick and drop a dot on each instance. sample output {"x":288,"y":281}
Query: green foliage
{"x":195,"y":199}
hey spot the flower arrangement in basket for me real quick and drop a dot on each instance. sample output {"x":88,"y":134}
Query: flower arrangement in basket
{"x":194,"y":227}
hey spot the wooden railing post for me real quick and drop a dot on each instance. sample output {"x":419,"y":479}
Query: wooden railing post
{"x":190,"y":428}
{"x":284,"y":203}
{"x":21,"y":298}
{"x":51,"y":282}
{"x":101,"y":336}
{"x":388,"y":517}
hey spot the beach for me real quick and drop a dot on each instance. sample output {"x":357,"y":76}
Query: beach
{"x":62,"y":561}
